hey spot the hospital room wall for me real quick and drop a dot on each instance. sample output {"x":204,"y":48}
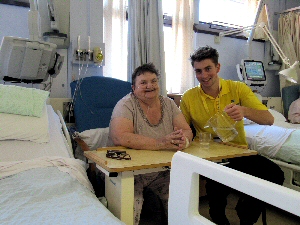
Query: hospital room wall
{"x":232,"y":51}
{"x":86,"y":20}
{"x":14,"y":22}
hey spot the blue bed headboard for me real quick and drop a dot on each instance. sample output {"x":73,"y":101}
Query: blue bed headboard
{"x":95,"y":99}
{"x":288,"y":95}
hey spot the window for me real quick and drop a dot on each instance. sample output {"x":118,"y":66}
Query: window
{"x":227,"y":12}
{"x":228,"y":15}
{"x":231,"y":13}
{"x":168,"y":7}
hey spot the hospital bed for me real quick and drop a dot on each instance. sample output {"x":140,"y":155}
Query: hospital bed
{"x":279,"y":142}
{"x":184,"y":188}
{"x":40,"y":180}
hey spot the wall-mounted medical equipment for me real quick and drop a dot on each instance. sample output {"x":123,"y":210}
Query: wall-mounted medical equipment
{"x":33,"y":60}
{"x":53,"y":22}
{"x":290,"y":73}
{"x":254,"y":73}
{"x":87,"y":52}
{"x":28,"y":61}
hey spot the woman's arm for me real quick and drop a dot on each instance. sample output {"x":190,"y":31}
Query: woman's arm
{"x":122,"y":133}
{"x":181,"y":124}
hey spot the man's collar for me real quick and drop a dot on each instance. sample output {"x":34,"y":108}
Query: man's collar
{"x":224,"y":89}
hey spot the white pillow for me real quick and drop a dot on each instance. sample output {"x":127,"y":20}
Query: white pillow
{"x":247,"y":121}
{"x":26,"y":128}
{"x":95,"y":138}
{"x":278,"y":117}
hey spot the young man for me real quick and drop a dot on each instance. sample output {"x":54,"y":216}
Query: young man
{"x":215,"y":94}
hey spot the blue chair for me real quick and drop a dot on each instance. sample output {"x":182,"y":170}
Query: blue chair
{"x":288,"y":95}
{"x":94,"y":99}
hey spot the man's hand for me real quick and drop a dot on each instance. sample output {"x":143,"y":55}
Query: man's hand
{"x":235,"y":112}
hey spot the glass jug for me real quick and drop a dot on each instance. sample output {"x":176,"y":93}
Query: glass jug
{"x":223,"y":126}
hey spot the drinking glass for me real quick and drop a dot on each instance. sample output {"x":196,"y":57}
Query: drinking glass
{"x":204,"y":139}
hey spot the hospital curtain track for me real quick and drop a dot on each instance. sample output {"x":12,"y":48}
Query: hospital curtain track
{"x":288,"y":40}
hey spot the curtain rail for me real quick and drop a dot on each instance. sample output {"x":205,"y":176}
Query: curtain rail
{"x":288,"y":10}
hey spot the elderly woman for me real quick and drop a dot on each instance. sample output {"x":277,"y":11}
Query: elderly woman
{"x":145,"y":120}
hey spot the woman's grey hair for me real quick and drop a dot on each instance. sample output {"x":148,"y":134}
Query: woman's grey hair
{"x":148,"y":67}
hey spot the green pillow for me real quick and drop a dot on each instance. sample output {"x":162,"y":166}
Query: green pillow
{"x":22,"y":101}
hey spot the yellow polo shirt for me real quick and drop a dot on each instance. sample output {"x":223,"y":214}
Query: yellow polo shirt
{"x":198,"y":107}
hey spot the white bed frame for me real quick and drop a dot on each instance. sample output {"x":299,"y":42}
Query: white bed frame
{"x":58,"y":105}
{"x":66,"y":134}
{"x":184,"y":188}
{"x":291,"y":172}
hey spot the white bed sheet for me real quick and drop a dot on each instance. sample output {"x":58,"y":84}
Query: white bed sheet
{"x":280,"y":141}
{"x":14,"y":150}
{"x":47,"y":195}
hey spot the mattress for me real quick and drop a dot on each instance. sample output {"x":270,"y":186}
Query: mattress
{"x":12,"y":150}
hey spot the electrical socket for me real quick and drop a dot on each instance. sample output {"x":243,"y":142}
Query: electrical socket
{"x":80,"y":54}
{"x":66,"y":112}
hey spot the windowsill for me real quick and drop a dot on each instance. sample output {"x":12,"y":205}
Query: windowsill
{"x":213,"y":29}
{"x":176,"y":97}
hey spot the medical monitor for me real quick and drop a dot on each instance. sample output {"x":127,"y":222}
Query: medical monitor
{"x":254,"y":73}
{"x":24,"y":60}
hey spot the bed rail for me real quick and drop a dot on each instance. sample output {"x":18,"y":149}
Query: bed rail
{"x":291,"y":174}
{"x":66,"y":134}
{"x":184,"y":188}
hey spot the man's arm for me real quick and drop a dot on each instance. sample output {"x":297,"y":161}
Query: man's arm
{"x":237,"y":113}
{"x":262,"y":117}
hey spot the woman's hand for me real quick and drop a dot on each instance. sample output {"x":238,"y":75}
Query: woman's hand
{"x":174,"y":141}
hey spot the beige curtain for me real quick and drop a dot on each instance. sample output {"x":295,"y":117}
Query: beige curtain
{"x":288,"y":40}
{"x":178,"y":67}
{"x":145,"y":37}
{"x":115,"y":39}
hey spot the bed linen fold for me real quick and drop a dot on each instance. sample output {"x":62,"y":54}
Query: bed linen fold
{"x":269,"y":139}
{"x":49,"y":196}
{"x":74,"y":167}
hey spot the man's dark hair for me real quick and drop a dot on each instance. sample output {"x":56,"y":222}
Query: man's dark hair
{"x":148,"y":67}
{"x":203,"y":53}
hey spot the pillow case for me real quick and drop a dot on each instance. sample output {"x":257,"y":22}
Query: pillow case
{"x":94,"y":138}
{"x":26,"y":128}
{"x":22,"y":101}
{"x":247,"y":121}
{"x":278,"y":118}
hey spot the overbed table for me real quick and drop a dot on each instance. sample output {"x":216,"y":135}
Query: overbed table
{"x":119,"y":179}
